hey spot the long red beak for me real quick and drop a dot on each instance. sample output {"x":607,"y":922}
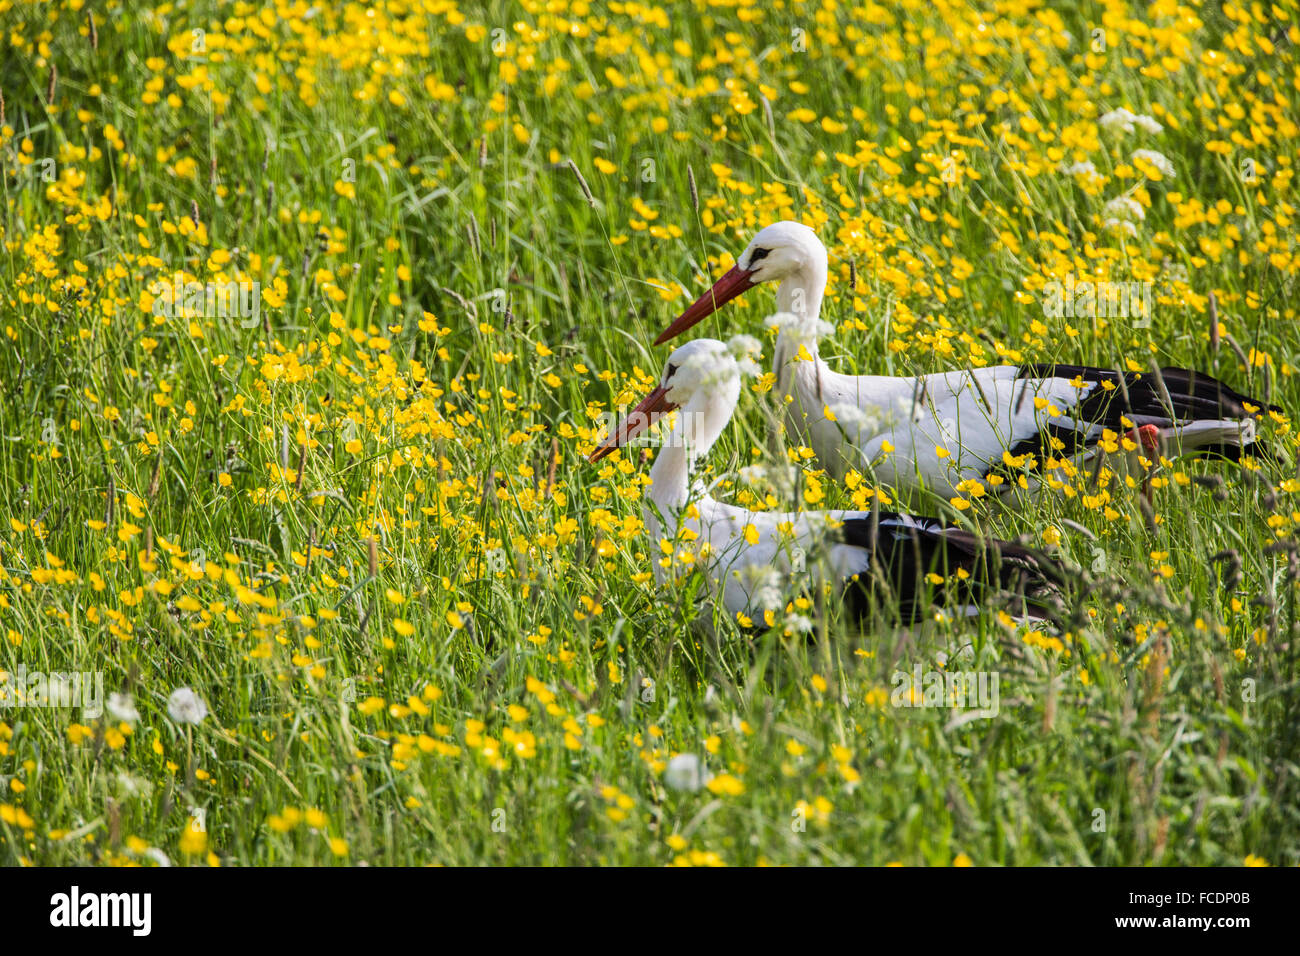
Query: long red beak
{"x":724,"y":290}
{"x":652,"y":408}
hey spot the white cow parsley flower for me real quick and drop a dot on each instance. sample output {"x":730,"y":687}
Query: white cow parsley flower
{"x":1120,"y":119}
{"x":1124,"y":121}
{"x":1085,"y":173}
{"x":801,"y":329}
{"x":1149,"y":124}
{"x":798,"y":624}
{"x":860,"y":423}
{"x":762,"y":583}
{"x":850,"y":416}
{"x":1124,"y":209}
{"x":701,"y":370}
{"x":1116,"y":225}
{"x":747,"y":350}
{"x":1159,"y":160}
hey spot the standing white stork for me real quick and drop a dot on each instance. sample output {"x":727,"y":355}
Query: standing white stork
{"x":1029,"y":422}
{"x":757,"y":561}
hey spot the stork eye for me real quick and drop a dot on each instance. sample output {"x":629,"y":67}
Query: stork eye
{"x":672,"y":370}
{"x":756,"y":255}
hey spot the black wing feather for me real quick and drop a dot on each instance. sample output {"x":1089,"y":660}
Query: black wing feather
{"x":1187,"y":396}
{"x":1194,"y":395}
{"x":905,"y":549}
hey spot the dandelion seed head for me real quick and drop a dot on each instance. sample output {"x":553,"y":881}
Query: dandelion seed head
{"x":122,"y":707}
{"x":186,"y":707}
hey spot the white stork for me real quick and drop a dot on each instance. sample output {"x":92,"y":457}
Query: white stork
{"x":939,"y":431}
{"x":758,"y":561}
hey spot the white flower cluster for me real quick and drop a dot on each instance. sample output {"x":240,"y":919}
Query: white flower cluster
{"x":860,"y":423}
{"x":703,"y":369}
{"x":798,"y":624}
{"x":1159,"y":160}
{"x":850,"y":416}
{"x":746,"y":350}
{"x":1123,"y":121}
{"x":1124,"y":209}
{"x":762,"y":583}
{"x":1084,"y":171}
{"x":1122,"y":214}
{"x":805,"y":329}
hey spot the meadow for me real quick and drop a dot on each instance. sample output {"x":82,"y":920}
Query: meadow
{"x":313,"y":311}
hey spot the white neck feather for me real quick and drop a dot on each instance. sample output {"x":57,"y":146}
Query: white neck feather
{"x":699,"y":425}
{"x":799,"y":294}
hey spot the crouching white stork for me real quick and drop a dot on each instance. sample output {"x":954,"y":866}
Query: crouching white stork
{"x":757,"y":561}
{"x":1031,"y":422}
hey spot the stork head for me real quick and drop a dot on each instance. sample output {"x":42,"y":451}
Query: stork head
{"x":779,"y":251}
{"x":702,"y":380}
